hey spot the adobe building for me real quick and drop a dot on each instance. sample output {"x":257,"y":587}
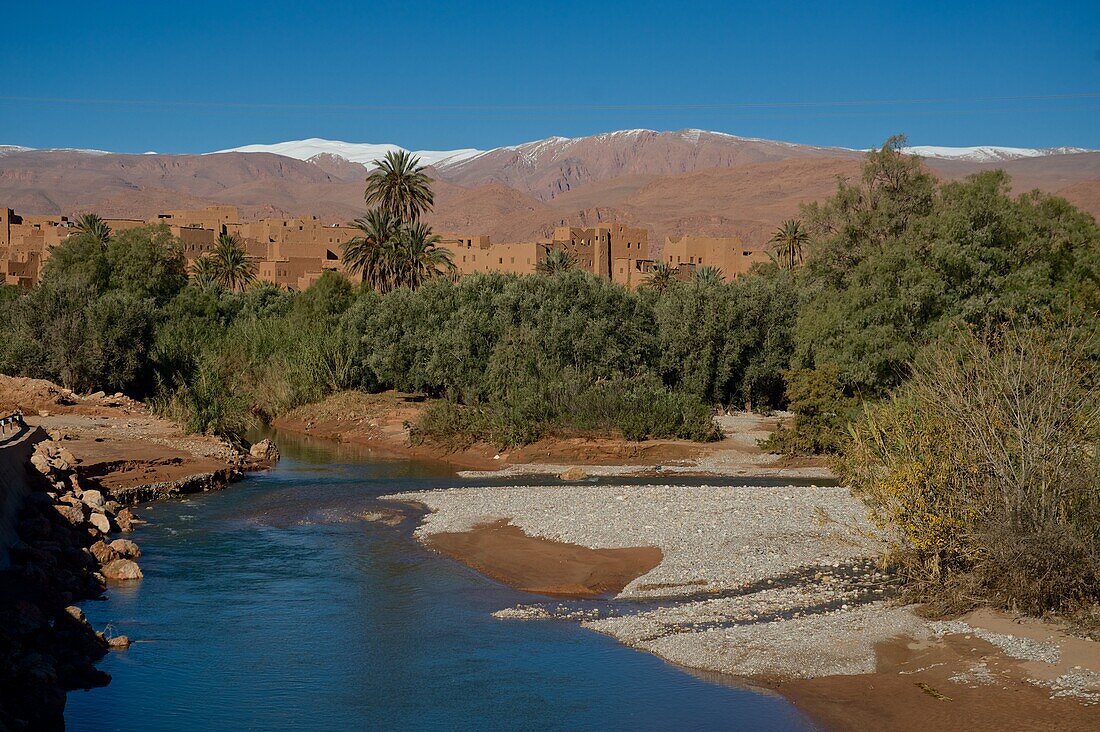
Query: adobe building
{"x":616,"y":251}
{"x":292,"y":253}
{"x":477,"y":254}
{"x":728,"y":254}
{"x":214,"y":218}
{"x":25,"y":243}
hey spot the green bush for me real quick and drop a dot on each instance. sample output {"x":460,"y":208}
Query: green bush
{"x":820,"y":410}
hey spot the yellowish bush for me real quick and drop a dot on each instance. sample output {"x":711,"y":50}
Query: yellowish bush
{"x":983,"y":467}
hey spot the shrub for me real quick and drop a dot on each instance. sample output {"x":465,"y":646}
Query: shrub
{"x":637,"y":409}
{"x":207,"y":403}
{"x":984,"y":468}
{"x":820,"y":410}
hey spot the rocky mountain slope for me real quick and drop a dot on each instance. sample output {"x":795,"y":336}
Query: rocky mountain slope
{"x":671,"y":182}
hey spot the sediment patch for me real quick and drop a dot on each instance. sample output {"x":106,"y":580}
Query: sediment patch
{"x":533,"y":564}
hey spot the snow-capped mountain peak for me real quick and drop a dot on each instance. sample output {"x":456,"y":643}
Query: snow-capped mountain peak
{"x":989,"y":153}
{"x":357,"y":152}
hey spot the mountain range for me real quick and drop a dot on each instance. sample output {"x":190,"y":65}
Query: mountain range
{"x":689,"y":181}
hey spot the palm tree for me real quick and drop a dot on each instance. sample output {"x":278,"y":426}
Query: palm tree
{"x":787,"y":242}
{"x":661,"y":277}
{"x":556,"y":260}
{"x":418,"y":257}
{"x":400,"y":186}
{"x":91,"y":225}
{"x":203,"y":272}
{"x":371,"y":251}
{"x":708,"y":276}
{"x":232,"y":267}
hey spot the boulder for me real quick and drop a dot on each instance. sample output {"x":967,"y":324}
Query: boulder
{"x":77,"y":614}
{"x":93,"y":499}
{"x":97,"y":395}
{"x":126,"y":548}
{"x":265,"y":450}
{"x":41,"y":463}
{"x":104,"y":552}
{"x":125,"y":519}
{"x":574,"y":473}
{"x":118,"y":643}
{"x":71,"y":514}
{"x":64,"y":460}
{"x":122,"y":570}
{"x":100,"y":521}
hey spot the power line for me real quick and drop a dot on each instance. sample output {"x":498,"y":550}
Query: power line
{"x":547,"y":107}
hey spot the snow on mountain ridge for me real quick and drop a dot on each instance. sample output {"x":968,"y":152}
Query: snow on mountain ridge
{"x":988,"y":153}
{"x":531,"y":152}
{"x":357,"y":152}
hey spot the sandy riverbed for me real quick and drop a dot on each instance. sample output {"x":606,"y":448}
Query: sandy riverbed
{"x":777,"y":587}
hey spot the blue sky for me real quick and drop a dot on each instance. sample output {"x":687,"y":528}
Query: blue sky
{"x":200,"y":76}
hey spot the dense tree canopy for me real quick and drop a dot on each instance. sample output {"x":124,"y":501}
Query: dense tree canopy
{"x":897,"y":260}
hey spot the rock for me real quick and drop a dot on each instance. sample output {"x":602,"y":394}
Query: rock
{"x":41,"y":463}
{"x":64,"y":460}
{"x":71,"y":514}
{"x":100,"y":521}
{"x":93,"y":499}
{"x":125,"y":519}
{"x":118,"y":643}
{"x":77,"y":614}
{"x":43,"y":413}
{"x":574,"y":473}
{"x":104,"y":552}
{"x":265,"y":450}
{"x":97,"y":395}
{"x":122,"y":570}
{"x":126,"y":548}
{"x":112,"y":507}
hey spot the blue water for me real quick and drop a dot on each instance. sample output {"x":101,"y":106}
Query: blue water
{"x":271,"y":606}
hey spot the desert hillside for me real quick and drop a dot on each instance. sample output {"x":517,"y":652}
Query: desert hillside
{"x":670,"y":182}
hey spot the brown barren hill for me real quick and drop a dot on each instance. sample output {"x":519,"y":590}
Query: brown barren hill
{"x":672,"y":183}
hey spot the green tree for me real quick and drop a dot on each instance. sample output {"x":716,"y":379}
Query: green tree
{"x":233,"y":268}
{"x":148,"y":262}
{"x":821,"y":413}
{"x":418,"y":257}
{"x":204,"y":272}
{"x":556,"y":260}
{"x":661,"y":278}
{"x":93,"y":226}
{"x":898,"y":261}
{"x":787,"y":243}
{"x":372,"y":252}
{"x":399,"y":185}
{"x":708,"y":276}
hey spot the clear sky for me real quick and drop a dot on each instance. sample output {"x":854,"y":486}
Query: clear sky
{"x":200,"y":76}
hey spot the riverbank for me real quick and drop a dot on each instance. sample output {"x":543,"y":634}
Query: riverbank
{"x":777,"y":587}
{"x":70,"y":474}
{"x":381,"y":422}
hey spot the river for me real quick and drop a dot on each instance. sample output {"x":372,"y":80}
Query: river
{"x":272,"y":606}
